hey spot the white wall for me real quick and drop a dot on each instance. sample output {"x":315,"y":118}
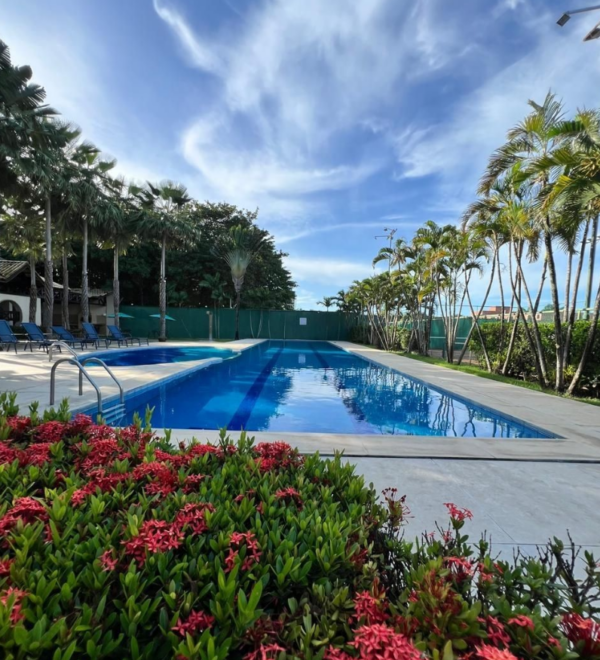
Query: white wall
{"x":23,"y":303}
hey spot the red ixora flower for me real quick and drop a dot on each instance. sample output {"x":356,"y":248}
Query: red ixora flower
{"x":380,"y":642}
{"x":192,"y":483}
{"x":49,"y":432}
{"x":8,"y":454}
{"x":5,"y":565}
{"x":253,"y":552}
{"x":336,"y":654}
{"x":196,"y":622}
{"x":277,"y":455}
{"x":495,"y":631}
{"x":19,"y":427}
{"x":458,"y":513}
{"x":192,"y":516}
{"x":523,"y":621}
{"x":15,"y":598}
{"x":265,"y":652}
{"x":583,"y":633}
{"x":370,"y":607}
{"x":290,"y":495}
{"x":25,"y":509}
{"x":460,"y":567}
{"x":107,"y":561}
{"x":486,"y":652}
{"x":154,"y":536}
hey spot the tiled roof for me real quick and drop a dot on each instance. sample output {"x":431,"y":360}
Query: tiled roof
{"x":10,"y":269}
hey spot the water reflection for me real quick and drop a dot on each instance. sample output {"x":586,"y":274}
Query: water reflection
{"x":317,"y":387}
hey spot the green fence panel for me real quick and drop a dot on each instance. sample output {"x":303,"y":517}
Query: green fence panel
{"x":192,"y":323}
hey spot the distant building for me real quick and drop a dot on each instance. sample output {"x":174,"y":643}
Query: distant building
{"x":495,"y":311}
{"x":14,"y":298}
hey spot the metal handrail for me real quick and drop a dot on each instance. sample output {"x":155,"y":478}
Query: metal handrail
{"x":60,"y":344}
{"x":110,"y":373}
{"x":81,"y":371}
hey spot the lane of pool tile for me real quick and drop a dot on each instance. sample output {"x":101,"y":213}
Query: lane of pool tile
{"x":242,"y":414}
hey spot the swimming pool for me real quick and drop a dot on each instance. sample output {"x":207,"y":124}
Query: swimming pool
{"x":132,"y":357}
{"x":315,"y":387}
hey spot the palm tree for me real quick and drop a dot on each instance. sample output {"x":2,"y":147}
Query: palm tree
{"x":238,"y":250}
{"x":327,"y":302}
{"x":87,"y":197}
{"x":530,"y":142}
{"x":165,"y":221}
{"x":119,"y":231}
{"x":23,"y":231}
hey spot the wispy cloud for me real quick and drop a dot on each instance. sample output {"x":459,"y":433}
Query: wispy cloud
{"x":298,"y":78}
{"x":312,"y":231}
{"x":193,"y":49}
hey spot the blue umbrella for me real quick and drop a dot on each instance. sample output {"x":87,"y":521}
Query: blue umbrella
{"x":157,"y":316}
{"x":121,"y":316}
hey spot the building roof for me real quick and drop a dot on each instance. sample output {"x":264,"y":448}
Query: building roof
{"x":10,"y":269}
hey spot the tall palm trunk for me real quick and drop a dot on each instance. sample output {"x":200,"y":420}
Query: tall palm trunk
{"x":85,"y":301}
{"x":48,"y":308}
{"x":475,"y":317}
{"x":541,"y":287}
{"x":116,"y":284}
{"x":32,"y":290}
{"x":592,"y":259}
{"x":65,"y":294}
{"x":162,"y":291}
{"x":537,"y":337}
{"x":589,"y":343}
{"x":558,"y":338}
{"x":568,"y":284}
{"x":501,"y":285}
{"x":238,"y":293}
{"x":572,"y":311}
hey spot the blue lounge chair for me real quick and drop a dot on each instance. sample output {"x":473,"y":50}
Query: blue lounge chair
{"x":125,"y":337}
{"x":36,"y":336}
{"x":91,"y":334}
{"x":69,"y":338}
{"x":7,"y":336}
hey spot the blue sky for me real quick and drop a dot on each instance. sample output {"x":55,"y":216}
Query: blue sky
{"x":336,"y":118}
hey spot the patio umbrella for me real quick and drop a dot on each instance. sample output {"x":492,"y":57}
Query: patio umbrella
{"x":122,"y":315}
{"x":157,"y":316}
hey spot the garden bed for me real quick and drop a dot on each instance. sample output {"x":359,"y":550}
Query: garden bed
{"x":117,"y":545}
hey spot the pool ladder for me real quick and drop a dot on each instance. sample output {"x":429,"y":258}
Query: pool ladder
{"x":83,"y":372}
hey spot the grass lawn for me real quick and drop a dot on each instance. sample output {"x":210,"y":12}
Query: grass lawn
{"x":476,"y":371}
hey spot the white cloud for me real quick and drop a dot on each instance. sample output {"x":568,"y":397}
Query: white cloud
{"x":460,"y":147}
{"x":298,"y":77}
{"x":311,"y":231}
{"x":193,"y":49}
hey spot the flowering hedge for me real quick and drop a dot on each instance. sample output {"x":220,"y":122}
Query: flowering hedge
{"x":116,"y":545}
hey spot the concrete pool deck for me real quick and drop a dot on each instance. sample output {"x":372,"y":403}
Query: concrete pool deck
{"x":522,"y":492}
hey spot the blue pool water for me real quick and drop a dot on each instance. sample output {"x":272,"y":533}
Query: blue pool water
{"x":315,"y":387}
{"x":135,"y":357}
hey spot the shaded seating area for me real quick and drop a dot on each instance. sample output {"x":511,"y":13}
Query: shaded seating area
{"x":124,"y":337}
{"x":7,"y":336}
{"x":90,"y":334}
{"x":69,"y":338}
{"x":36,"y":336}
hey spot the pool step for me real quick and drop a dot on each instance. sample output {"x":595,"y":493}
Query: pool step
{"x":114,"y":414}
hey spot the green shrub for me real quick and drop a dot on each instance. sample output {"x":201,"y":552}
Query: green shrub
{"x":117,"y":545}
{"x":522,"y":365}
